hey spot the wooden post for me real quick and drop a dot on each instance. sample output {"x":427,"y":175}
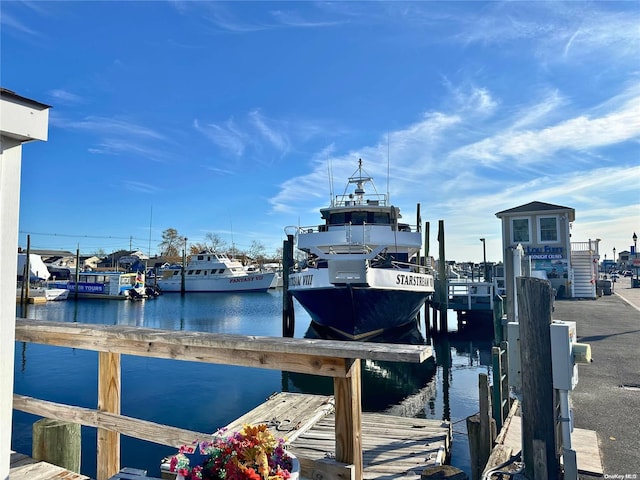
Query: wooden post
{"x":481,"y":430}
{"x":77,"y":276}
{"x":183,"y":288}
{"x":348,"y":426}
{"x":27,"y":268}
{"x":442,"y":278}
{"x":57,"y":442}
{"x":486,"y":436}
{"x":538,"y":405}
{"x":108,"y":463}
{"x":426,"y":239}
{"x":288,"y":314}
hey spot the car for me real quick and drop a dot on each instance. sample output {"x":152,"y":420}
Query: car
{"x":627,"y":273}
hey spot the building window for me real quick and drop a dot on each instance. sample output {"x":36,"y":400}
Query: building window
{"x":548,"y":229}
{"x":520,"y":229}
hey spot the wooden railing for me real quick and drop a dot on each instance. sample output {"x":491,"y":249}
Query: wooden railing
{"x":340,"y":360}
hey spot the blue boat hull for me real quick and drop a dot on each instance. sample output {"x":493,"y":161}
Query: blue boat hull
{"x":359,"y":312}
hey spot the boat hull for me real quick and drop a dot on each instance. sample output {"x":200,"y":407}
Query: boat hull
{"x":243,"y":283}
{"x":378,"y":300}
{"x":355,"y":312}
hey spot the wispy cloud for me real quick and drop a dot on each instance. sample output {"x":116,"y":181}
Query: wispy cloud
{"x":268,"y":131}
{"x":107,"y":126}
{"x":294,"y":18}
{"x":120,"y":147}
{"x":10,"y":22}
{"x":66,"y":97}
{"x":140,"y":187}
{"x":579,"y":133}
{"x":228,"y":136}
{"x":236,"y":18}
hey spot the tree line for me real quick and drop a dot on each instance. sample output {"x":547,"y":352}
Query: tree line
{"x":173,"y":245}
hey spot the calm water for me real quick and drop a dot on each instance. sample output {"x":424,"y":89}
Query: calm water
{"x":204,"y":397}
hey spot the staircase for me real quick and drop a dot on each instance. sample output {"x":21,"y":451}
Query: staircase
{"x":584,"y":263}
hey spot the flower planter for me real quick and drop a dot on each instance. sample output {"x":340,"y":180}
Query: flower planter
{"x":253,"y":453}
{"x":294,"y":473}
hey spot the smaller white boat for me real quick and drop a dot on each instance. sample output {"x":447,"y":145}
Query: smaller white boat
{"x":115,"y":285}
{"x":213,"y":272}
{"x":56,"y":294}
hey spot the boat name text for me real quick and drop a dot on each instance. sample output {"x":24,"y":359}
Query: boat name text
{"x":297,"y":280}
{"x":414,"y":280}
{"x":245,"y":279}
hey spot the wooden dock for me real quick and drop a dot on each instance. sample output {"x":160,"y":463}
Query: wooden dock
{"x":23,"y":467}
{"x":509,"y":443}
{"x":393,"y":446}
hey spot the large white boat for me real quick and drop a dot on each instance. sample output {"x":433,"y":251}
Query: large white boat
{"x":213,"y":272}
{"x":358,"y":279}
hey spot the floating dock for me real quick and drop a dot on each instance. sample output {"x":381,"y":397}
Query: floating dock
{"x":393,"y":446}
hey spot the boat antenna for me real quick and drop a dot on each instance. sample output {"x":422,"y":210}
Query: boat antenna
{"x":330,"y":172}
{"x":388,"y":196}
{"x":150,"y":223}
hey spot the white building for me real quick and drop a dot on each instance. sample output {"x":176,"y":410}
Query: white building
{"x":21,"y":120}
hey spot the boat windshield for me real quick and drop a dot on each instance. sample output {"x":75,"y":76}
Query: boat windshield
{"x":359,"y":218}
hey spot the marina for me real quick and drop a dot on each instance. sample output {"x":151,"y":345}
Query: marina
{"x":384,"y":385}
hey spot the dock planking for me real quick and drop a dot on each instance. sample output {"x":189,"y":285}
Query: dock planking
{"x":23,"y":467}
{"x":392,"y":446}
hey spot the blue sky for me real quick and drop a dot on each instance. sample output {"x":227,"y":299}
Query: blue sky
{"x":224,"y":117}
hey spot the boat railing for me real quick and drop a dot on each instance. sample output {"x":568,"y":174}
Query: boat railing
{"x":330,"y":358}
{"x":370,"y":199}
{"x":471,"y":294}
{"x":302,"y":230}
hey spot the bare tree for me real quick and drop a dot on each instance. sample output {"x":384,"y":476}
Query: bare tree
{"x":257,"y":251}
{"x":172,"y":243}
{"x":215,"y":242}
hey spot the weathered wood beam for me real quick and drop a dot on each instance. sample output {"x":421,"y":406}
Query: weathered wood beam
{"x":185,"y":345}
{"x":348,"y":418}
{"x":109,"y":386}
{"x":326,"y":469}
{"x":129,"y":426}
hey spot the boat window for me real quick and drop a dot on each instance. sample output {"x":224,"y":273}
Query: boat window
{"x":221,"y":270}
{"x":198,"y":272}
{"x":205,"y":272}
{"x":380,"y":218}
{"x":176,"y":272}
{"x":358,"y":218}
{"x":337,"y":219}
{"x":200,"y":257}
{"x":190,"y":272}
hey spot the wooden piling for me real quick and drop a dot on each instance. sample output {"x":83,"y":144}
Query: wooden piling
{"x":57,"y":442}
{"x":77,"y":273}
{"x":27,"y":268}
{"x":481,"y":430}
{"x":442,"y":278}
{"x":288,"y":314}
{"x":538,"y":402}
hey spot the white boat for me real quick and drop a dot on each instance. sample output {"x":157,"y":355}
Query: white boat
{"x":56,"y":294}
{"x":213,"y":272}
{"x":358,"y":279}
